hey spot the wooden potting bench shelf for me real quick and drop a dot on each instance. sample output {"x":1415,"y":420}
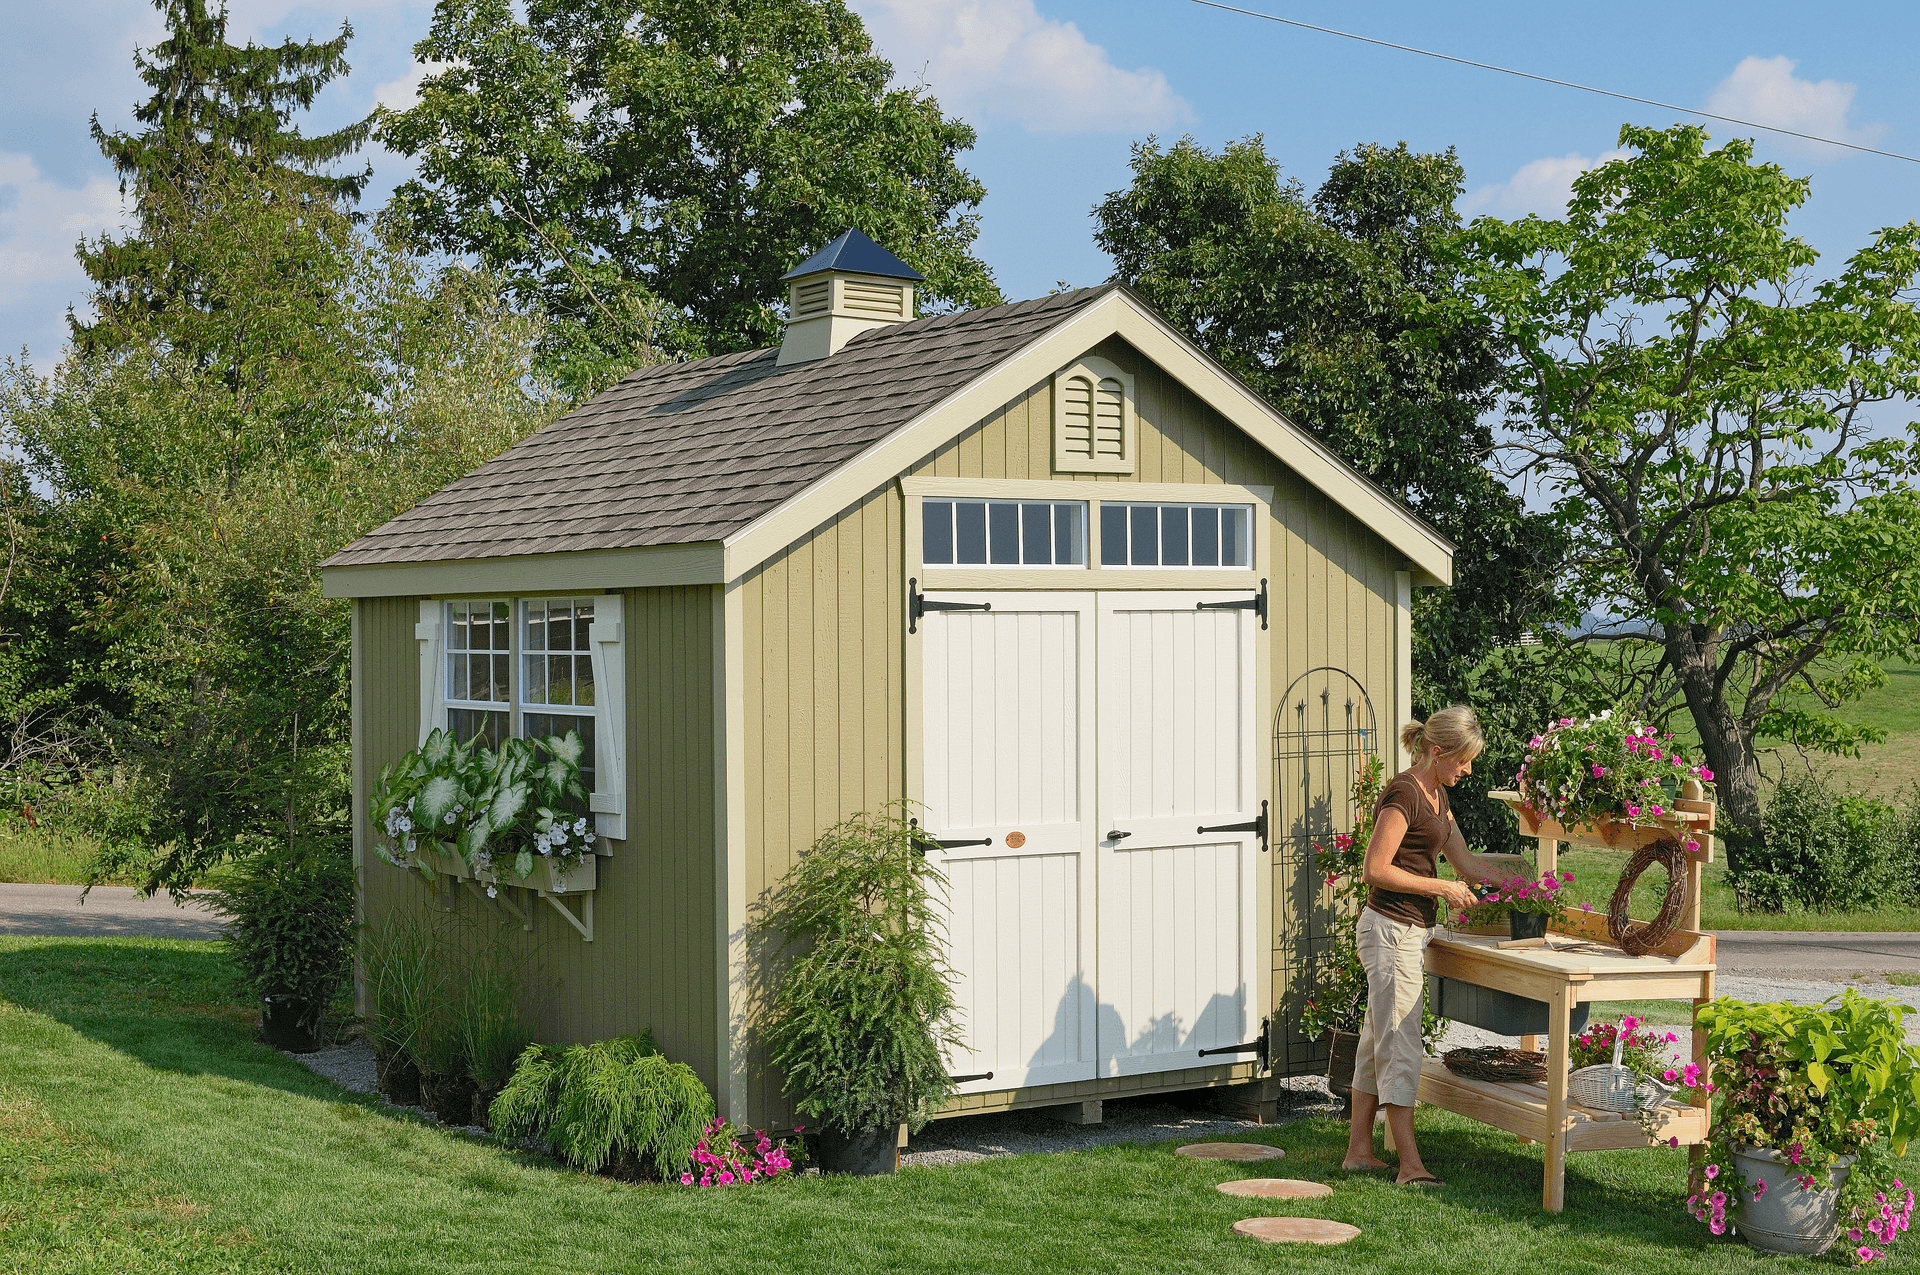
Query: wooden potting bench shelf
{"x":1580,"y":965}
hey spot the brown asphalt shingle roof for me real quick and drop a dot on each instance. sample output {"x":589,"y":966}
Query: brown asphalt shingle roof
{"x":691,"y":452}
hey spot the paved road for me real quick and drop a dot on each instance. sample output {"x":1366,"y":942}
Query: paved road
{"x":1815,"y":954}
{"x":110,"y":911}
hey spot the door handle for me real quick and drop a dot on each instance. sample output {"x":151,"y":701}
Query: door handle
{"x":1117,"y":835}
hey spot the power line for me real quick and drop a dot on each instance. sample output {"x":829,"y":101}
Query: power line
{"x":1545,"y":79}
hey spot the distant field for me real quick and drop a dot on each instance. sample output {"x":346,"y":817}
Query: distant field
{"x":42,"y":857}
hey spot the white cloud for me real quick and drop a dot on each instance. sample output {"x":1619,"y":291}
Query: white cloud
{"x":404,"y":93}
{"x":1766,"y":91}
{"x":1542,"y":186}
{"x":41,"y":220}
{"x":1001,"y":59}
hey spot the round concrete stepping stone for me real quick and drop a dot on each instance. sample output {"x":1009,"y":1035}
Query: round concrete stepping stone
{"x":1231,"y":1151}
{"x":1275,"y":1188}
{"x":1295,"y":1230}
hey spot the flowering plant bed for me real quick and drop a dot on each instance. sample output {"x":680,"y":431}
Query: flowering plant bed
{"x":461,"y":808}
{"x":725,"y":1156}
{"x":1817,"y":1086}
{"x":1607,"y":769}
{"x":1525,"y":896}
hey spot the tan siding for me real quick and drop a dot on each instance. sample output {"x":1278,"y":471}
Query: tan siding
{"x":655,"y":928}
{"x":824,"y":636}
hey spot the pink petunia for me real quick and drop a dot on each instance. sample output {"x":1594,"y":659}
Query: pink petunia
{"x":1713,"y":1171}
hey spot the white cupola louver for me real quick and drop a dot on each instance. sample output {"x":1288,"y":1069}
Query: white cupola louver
{"x":848,"y":287}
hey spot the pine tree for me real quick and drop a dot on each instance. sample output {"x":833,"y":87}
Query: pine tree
{"x":214,"y":106}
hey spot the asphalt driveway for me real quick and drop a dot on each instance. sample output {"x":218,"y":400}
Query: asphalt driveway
{"x":109,"y":911}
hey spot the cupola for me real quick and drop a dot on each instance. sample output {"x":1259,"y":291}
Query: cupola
{"x":848,"y":287}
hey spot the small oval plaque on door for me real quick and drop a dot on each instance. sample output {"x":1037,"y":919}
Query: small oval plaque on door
{"x":1015,"y":840}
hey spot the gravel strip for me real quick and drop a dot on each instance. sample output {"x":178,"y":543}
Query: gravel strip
{"x":351,"y":1067}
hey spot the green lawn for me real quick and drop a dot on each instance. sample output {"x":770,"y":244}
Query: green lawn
{"x":142,"y":1130}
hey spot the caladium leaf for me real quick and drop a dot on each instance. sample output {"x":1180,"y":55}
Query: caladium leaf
{"x":434,"y":802}
{"x":506,"y":806}
{"x":473,"y":839}
{"x":523,"y":864}
{"x":437,"y":750}
{"x":569,"y":747}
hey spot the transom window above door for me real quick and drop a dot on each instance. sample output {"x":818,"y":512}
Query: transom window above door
{"x":1004,"y":533}
{"x":1157,"y":535}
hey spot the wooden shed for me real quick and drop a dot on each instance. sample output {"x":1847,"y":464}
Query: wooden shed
{"x":1046,"y":569}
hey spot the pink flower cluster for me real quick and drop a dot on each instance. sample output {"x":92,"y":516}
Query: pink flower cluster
{"x":1709,"y":1205}
{"x":1497,"y":900}
{"x":722,"y":1158}
{"x":1882,"y":1227}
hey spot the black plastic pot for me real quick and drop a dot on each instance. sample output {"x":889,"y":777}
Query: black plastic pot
{"x":287,"y":1021}
{"x":1340,"y":1064}
{"x":398,"y":1079}
{"x":1527,"y":925}
{"x":864,"y":1153}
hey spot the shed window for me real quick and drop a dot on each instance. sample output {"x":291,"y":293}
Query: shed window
{"x":556,"y":687}
{"x":479,"y":637}
{"x":1176,"y":535}
{"x":1009,"y":533}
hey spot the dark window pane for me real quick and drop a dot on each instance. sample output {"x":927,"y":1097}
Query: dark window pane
{"x":1068,"y":535}
{"x":1233,"y":537}
{"x":1113,"y":535}
{"x":1036,"y":534}
{"x":583,"y":679}
{"x":936,"y":531}
{"x":479,"y":679}
{"x":1206,"y":537}
{"x":457,"y":626}
{"x":559,"y":628}
{"x":456,"y":677}
{"x":536,"y":626}
{"x":970,"y":531}
{"x":1173,"y":535}
{"x":502,"y":670}
{"x":1003,"y":527}
{"x":1145,"y":523}
{"x":470,"y":723}
{"x":535,"y":690}
{"x":559,"y":679}
{"x":582,"y":622}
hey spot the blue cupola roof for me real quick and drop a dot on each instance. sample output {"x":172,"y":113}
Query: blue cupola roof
{"x":854,"y":253}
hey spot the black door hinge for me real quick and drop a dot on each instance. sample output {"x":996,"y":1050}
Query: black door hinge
{"x":1260,"y":1047}
{"x":1256,"y":604}
{"x":918,"y":605}
{"x":1256,"y":825}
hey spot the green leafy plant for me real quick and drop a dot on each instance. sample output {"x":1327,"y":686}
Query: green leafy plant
{"x":615,"y":1106}
{"x":406,"y":977}
{"x":1825,"y":850}
{"x":1526,"y":895}
{"x":1812,"y":1083}
{"x":290,"y":922}
{"x":862,"y":1019}
{"x":494,"y":1033}
{"x":1609,"y":767}
{"x":468,"y":801}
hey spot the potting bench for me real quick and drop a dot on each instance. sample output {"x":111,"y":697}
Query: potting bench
{"x":1580,"y":964}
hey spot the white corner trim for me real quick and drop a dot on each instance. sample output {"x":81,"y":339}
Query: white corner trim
{"x":1115,"y":314}
{"x":1402,"y":662}
{"x":730,"y":849}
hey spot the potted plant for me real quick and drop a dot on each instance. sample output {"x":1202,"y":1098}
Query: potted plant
{"x":464,"y":807}
{"x":862,"y":1019}
{"x":1624,"y":1066}
{"x":1812,"y":1104}
{"x":1337,"y":1005}
{"x":289,"y":911}
{"x":1527,"y":905}
{"x":1608,"y":769}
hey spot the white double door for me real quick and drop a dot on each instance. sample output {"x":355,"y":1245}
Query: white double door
{"x":1085,"y":738}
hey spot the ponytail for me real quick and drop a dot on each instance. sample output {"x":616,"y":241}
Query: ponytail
{"x":1451,"y":732}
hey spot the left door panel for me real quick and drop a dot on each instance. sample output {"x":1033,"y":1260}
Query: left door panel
{"x":1008,"y":759}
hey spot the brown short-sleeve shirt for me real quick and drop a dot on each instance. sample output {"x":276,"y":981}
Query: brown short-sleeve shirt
{"x":1430,"y":833}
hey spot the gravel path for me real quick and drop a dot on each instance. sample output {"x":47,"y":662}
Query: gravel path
{"x":351,"y":1067}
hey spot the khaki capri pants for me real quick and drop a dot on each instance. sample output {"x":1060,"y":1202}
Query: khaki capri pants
{"x":1390,"y":1051}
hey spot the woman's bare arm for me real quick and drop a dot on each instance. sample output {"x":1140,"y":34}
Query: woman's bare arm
{"x":1389,"y":829}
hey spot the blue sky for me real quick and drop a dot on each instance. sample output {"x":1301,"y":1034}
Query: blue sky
{"x":1060,"y":89}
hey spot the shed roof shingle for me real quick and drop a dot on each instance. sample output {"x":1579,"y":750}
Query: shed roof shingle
{"x":690,"y":452}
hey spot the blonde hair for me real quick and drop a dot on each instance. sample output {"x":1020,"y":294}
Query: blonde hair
{"x":1451,"y":732}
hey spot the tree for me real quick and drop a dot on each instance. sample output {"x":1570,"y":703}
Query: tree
{"x":1699,"y":404}
{"x":1312,"y":304}
{"x":646,"y":170}
{"x":212,"y":103}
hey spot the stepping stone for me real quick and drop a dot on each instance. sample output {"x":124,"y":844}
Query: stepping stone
{"x":1275,"y":1188}
{"x":1231,"y":1151}
{"x":1295,"y":1230}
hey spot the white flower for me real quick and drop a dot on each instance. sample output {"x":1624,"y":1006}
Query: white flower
{"x":449,"y":818}
{"x":559,"y":834}
{"x":580,"y":825}
{"x":590,"y":838}
{"x":559,"y":887}
{"x":493,"y":891}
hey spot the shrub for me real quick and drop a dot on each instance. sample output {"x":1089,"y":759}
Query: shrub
{"x":1824,"y":851}
{"x":405,"y":979}
{"x":862,"y":1020}
{"x":493,"y":1031}
{"x":289,"y":913}
{"x":616,"y":1106}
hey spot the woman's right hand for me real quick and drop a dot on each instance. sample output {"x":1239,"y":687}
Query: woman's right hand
{"x":1457,"y":894}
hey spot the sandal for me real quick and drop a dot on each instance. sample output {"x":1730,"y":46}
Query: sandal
{"x":1424,"y":1179}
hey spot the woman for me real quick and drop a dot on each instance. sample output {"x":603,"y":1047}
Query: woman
{"x":1413,"y":824}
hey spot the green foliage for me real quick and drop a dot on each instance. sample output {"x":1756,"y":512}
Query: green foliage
{"x":290,"y":920}
{"x":862,"y":1019}
{"x":1822,"y":850}
{"x":494,"y":1033}
{"x":1338,"y":309}
{"x":407,"y":976}
{"x":1815,"y":1083}
{"x":1700,"y":407}
{"x":646,"y":170}
{"x":615,"y":1105}
{"x":213,"y":105}
{"x":463,"y":799}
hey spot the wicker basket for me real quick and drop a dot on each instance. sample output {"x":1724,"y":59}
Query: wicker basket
{"x":1612,"y":1087}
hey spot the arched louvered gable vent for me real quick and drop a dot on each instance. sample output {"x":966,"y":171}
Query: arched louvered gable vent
{"x":1093,"y":426}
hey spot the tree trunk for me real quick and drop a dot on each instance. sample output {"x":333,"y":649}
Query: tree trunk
{"x":1728,"y":749}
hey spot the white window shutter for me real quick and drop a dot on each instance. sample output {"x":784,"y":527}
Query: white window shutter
{"x":607,"y":638}
{"x":432,"y":634}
